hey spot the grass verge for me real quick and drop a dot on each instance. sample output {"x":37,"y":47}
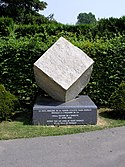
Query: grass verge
{"x":21,"y":127}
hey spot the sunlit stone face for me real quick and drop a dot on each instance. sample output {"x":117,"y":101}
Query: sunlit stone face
{"x":63,"y":70}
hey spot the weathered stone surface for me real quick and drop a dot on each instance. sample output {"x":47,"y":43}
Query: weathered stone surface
{"x":63,"y":70}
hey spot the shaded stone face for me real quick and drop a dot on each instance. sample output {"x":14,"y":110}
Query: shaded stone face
{"x":63,"y":70}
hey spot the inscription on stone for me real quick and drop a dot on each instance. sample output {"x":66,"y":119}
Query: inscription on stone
{"x":80,"y":111}
{"x":65,"y":117}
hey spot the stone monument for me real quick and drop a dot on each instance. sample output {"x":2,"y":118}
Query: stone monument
{"x":63,"y":71}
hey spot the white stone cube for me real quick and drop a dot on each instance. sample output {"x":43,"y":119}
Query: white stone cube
{"x":63,"y":70}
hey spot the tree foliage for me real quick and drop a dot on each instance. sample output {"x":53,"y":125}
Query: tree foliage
{"x":84,"y":18}
{"x":19,"y":9}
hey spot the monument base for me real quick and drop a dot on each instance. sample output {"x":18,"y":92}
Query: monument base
{"x":79,"y":111}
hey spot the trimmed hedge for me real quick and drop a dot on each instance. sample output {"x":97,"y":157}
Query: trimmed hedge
{"x":18,"y":55}
{"x":104,"y":28}
{"x":16,"y":65}
{"x":5,"y":24}
{"x":117,"y":99}
{"x":22,"y":45}
{"x":109,"y":67}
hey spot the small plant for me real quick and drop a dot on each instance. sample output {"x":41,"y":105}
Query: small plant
{"x":117,"y":99}
{"x":7,"y":103}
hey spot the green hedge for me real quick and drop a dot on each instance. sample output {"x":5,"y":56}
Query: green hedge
{"x":110,"y":27}
{"x":16,"y":65}
{"x":18,"y":55}
{"x":5,"y":25}
{"x":104,"y":28}
{"x":29,"y":30}
{"x":54,"y":29}
{"x":109,"y":67}
{"x":117,"y":99}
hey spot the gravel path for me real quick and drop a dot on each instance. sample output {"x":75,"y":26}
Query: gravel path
{"x":104,"y":148}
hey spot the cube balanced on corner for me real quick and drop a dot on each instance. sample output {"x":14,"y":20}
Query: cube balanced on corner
{"x":63,"y":71}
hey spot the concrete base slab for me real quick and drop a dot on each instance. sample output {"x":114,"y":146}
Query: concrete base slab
{"x":79,"y":111}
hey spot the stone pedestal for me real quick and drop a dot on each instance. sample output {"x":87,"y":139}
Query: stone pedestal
{"x":79,"y":111}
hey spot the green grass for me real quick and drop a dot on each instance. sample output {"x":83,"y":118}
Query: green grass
{"x":21,"y":127}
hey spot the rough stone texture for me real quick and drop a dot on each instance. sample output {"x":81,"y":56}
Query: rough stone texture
{"x":63,"y":70}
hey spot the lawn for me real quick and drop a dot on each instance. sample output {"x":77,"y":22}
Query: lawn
{"x":21,"y":127}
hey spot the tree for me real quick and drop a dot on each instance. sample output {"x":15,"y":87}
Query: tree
{"x":19,"y":9}
{"x":84,"y":18}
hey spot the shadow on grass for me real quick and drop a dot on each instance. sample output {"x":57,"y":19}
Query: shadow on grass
{"x":24,"y":116}
{"x":113,"y":114}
